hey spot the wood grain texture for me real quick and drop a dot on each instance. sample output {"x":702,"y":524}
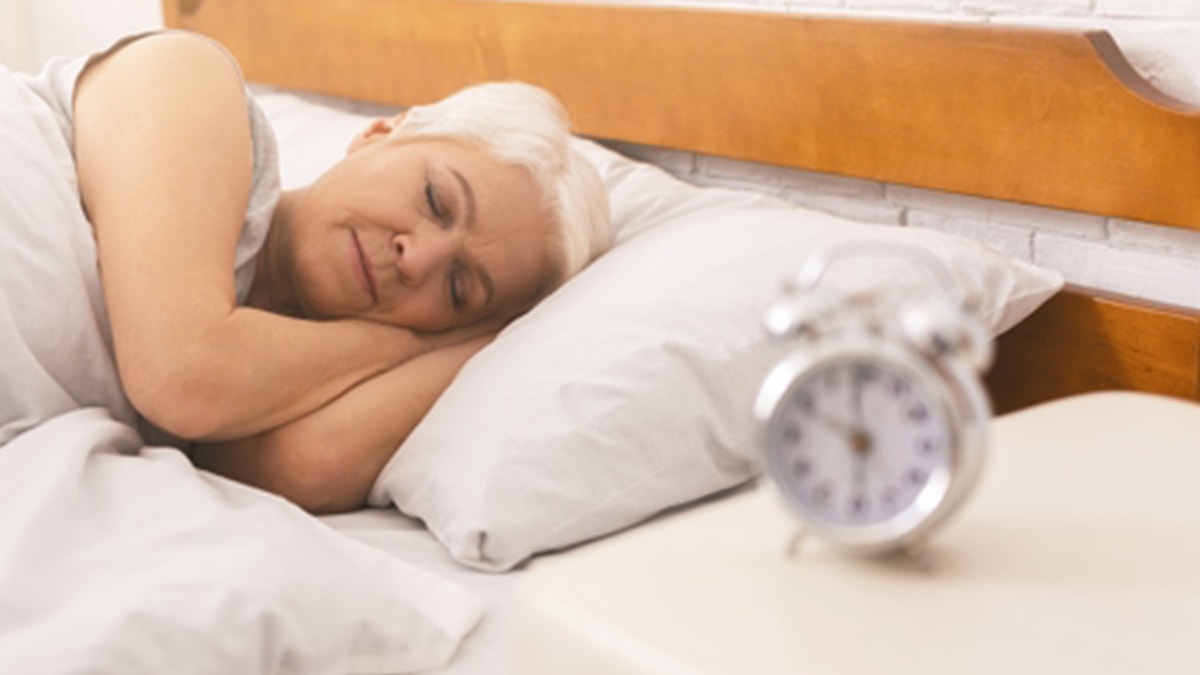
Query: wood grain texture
{"x":1079,"y":342}
{"x":1036,"y":116}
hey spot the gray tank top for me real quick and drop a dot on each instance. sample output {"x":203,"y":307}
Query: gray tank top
{"x":55,"y":343}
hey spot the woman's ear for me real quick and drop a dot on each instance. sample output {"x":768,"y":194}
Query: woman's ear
{"x":378,"y":130}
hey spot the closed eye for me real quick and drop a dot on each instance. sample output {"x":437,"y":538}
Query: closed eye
{"x":456,"y":291}
{"x":435,"y":204}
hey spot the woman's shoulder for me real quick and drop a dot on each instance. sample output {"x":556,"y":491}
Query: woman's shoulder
{"x":181,"y":91}
{"x":167,"y":110}
{"x":143,"y":61}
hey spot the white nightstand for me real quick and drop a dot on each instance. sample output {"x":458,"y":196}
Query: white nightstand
{"x":1079,"y":553}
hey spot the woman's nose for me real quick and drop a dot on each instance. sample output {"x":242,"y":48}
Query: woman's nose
{"x":420,"y":255}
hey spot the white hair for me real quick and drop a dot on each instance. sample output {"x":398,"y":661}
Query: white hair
{"x":523,"y":125}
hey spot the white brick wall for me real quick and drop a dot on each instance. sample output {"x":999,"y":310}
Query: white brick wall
{"x":937,"y":6}
{"x":1049,"y":7}
{"x":1161,"y":38}
{"x":1158,"y":9}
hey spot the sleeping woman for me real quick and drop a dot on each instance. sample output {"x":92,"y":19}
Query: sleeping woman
{"x":151,"y":266}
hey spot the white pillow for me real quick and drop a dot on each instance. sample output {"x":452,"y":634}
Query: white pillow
{"x":312,"y":137}
{"x":630,"y":389}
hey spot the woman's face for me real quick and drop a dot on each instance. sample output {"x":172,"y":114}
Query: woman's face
{"x":427,"y":235}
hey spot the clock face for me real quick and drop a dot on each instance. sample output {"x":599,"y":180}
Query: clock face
{"x":860,"y":441}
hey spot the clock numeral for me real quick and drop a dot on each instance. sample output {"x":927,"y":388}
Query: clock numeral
{"x":801,"y":468}
{"x":803,"y":401}
{"x":925,"y":446}
{"x":821,"y":495}
{"x":915,"y":476}
{"x":859,"y":505}
{"x":889,"y":498}
{"x":918,"y":413}
{"x":831,"y":379}
{"x":791,"y":434}
{"x":864,"y":374}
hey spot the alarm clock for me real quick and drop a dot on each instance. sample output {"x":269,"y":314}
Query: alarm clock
{"x":873,"y":428}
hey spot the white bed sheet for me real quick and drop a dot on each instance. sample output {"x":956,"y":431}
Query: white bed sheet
{"x":119,"y":558}
{"x":486,"y":650}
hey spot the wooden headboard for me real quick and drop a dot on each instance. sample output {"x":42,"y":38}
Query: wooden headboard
{"x":1054,"y":118}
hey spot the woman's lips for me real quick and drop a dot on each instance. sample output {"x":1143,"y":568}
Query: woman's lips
{"x":364,"y":269}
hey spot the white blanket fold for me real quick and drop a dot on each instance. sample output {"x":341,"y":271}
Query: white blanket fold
{"x":116,"y":558}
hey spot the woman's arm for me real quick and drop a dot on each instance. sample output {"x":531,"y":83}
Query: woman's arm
{"x":164,"y":159}
{"x":327,"y":461}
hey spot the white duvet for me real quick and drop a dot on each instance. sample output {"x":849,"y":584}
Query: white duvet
{"x":119,"y":558}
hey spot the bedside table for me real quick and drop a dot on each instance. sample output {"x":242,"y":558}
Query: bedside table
{"x":1078,"y":553}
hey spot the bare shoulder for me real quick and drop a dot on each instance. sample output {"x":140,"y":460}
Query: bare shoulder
{"x":171,"y":81}
{"x":175,"y":60}
{"x":153,"y":101}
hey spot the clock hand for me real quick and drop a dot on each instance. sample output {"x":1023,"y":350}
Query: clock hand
{"x":835,"y":424}
{"x":857,"y":402}
{"x":856,"y":436}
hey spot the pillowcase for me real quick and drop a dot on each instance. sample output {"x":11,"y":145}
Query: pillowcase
{"x":630,"y":389}
{"x":312,"y":134}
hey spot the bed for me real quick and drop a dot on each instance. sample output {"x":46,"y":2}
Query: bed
{"x":604,"y":439}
